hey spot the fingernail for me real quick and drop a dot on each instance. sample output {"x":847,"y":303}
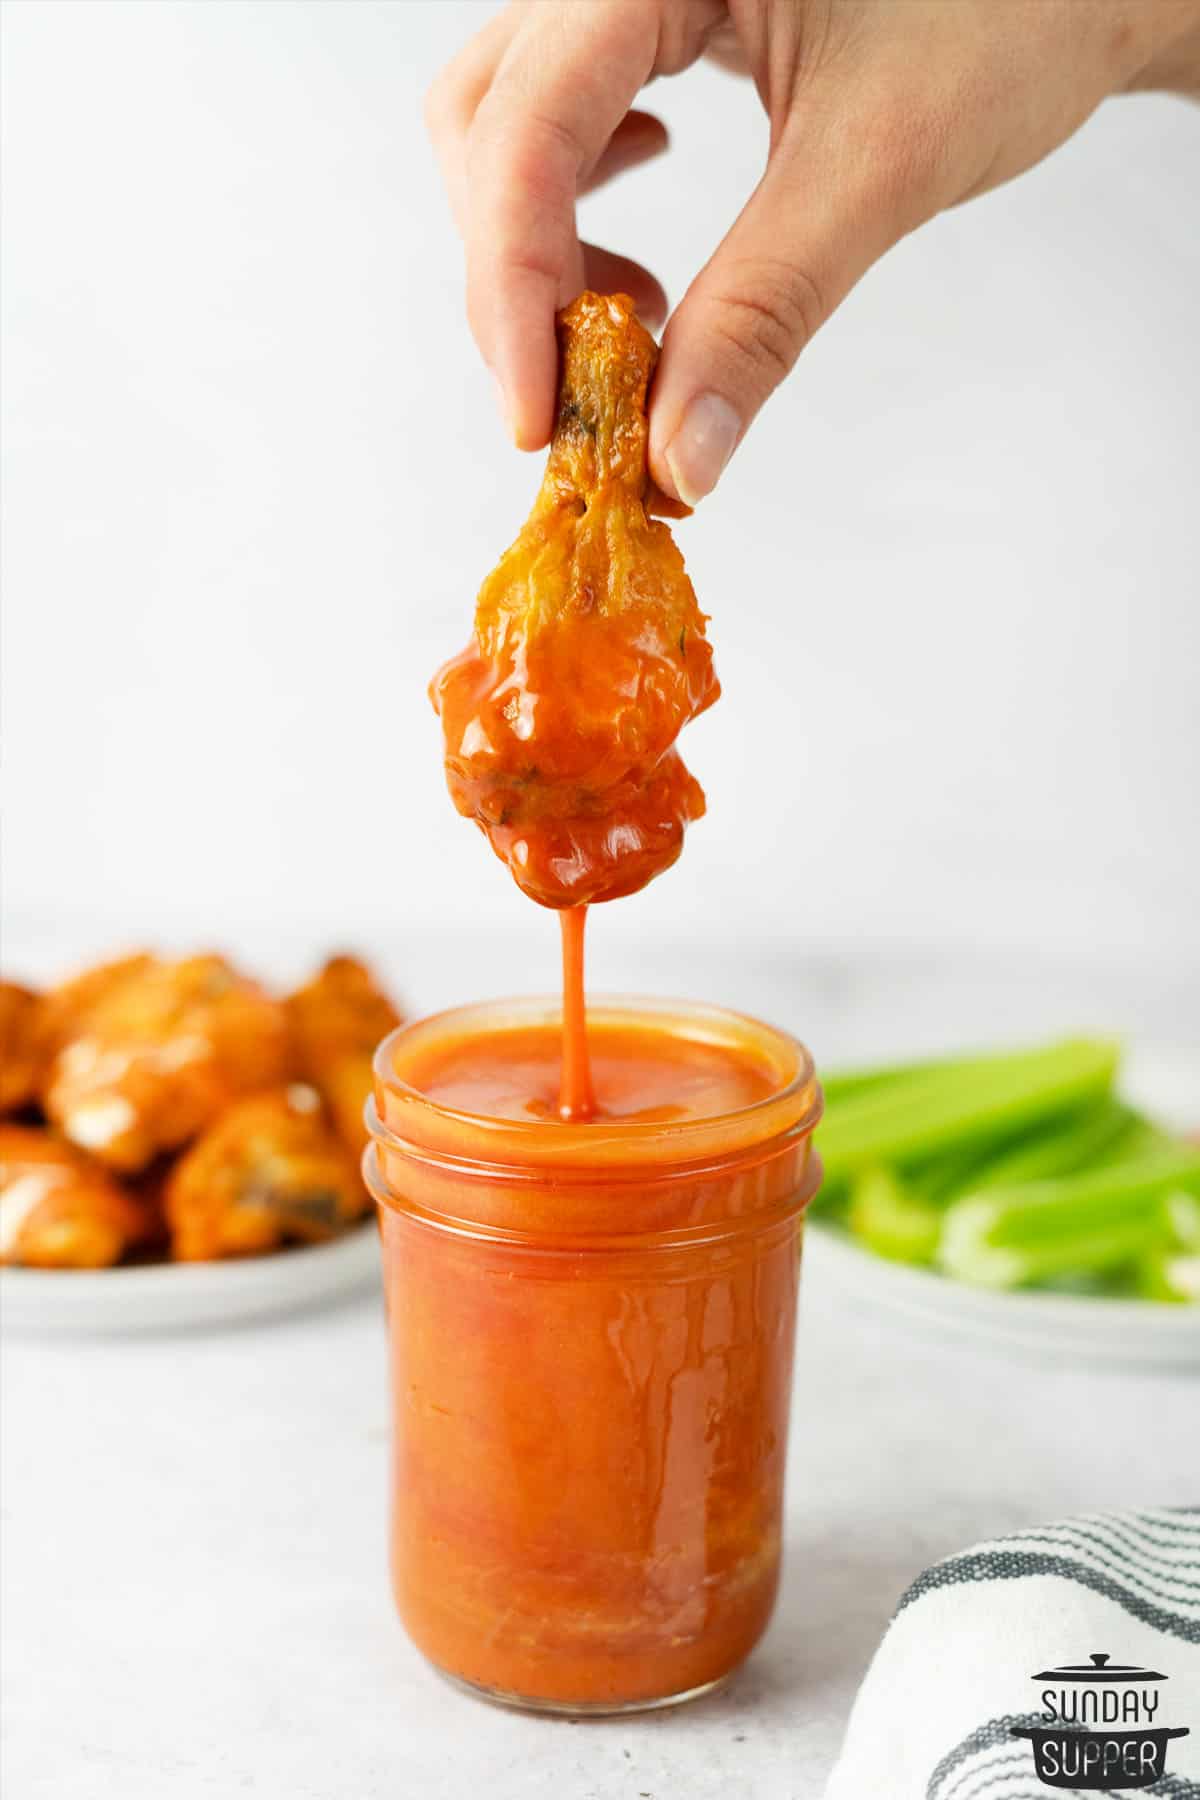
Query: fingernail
{"x":702,"y":446}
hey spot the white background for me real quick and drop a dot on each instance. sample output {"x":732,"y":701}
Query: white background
{"x":254,"y":477}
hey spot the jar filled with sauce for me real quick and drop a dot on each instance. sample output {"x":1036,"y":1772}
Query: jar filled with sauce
{"x":591,"y":1330}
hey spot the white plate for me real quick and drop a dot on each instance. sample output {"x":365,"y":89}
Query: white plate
{"x":160,"y":1296}
{"x":1165,"y":1084}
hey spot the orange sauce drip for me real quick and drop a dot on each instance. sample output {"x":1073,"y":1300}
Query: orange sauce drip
{"x":576,"y":1099}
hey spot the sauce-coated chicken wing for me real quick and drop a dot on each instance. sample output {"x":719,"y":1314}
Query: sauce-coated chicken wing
{"x":270,"y":1172}
{"x":589,"y":654}
{"x":21,"y":1056}
{"x":338,"y":1018}
{"x":153,"y":1057}
{"x":59,"y":1209}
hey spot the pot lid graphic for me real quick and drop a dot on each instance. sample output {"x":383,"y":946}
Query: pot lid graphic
{"x":1099,"y":1668}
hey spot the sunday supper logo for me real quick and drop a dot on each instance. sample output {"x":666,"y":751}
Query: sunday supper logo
{"x":1101,"y":1726}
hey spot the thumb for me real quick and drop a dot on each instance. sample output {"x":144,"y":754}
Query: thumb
{"x":807,"y":234}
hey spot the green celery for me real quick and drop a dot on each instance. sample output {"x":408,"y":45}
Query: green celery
{"x":848,"y":1084}
{"x":910,"y":1118}
{"x":1011,"y":1237}
{"x":1107,"y":1131}
{"x":1171,"y":1271}
{"x":893,"y":1221}
{"x":831,"y":1200}
{"x":1169,"y":1276}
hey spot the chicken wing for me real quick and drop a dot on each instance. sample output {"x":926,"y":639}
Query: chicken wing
{"x":338,"y":1019}
{"x":151,"y":1058}
{"x":20,"y":1049}
{"x":270,"y":1172}
{"x":589,"y":654}
{"x":61,"y":1210}
{"x":63,"y":1009}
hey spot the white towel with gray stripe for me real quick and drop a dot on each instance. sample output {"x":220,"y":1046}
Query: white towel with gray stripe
{"x":1065,"y":1658}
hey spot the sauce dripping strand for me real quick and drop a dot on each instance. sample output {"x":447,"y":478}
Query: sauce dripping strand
{"x":576,"y":1099}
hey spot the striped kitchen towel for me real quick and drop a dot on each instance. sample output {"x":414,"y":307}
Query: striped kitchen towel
{"x":1064,"y":1659}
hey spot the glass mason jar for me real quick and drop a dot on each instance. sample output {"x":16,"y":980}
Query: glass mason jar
{"x":591,"y":1331}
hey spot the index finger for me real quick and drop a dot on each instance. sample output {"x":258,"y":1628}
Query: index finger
{"x":562,"y":87}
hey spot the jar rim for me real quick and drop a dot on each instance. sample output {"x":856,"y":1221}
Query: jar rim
{"x":401,"y":1112}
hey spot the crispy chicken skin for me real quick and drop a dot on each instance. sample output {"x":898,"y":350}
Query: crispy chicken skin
{"x":33,"y":1028}
{"x":59,"y":1209}
{"x":589,"y":654}
{"x":338,"y":1019}
{"x":151,"y":1055}
{"x":270,"y":1172}
{"x":21,"y":1056}
{"x":62,"y":1009}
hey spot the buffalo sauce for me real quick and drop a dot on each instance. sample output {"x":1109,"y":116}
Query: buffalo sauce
{"x":591,"y":1328}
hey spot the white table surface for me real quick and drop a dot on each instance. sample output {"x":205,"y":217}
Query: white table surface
{"x":195,"y":1590}
{"x":195,"y":1596}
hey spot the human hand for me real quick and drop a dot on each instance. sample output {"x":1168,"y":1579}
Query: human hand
{"x":882,"y":114}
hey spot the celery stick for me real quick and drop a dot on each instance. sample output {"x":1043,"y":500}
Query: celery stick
{"x":831,"y":1201}
{"x":959,"y":1171}
{"x":967,"y":1253}
{"x":942,"y":1177}
{"x":1171,"y":1271}
{"x":1168,"y":1276}
{"x":1116,"y":1283}
{"x":846,"y":1084}
{"x":1040,"y":1209}
{"x":1089,"y":1137}
{"x":1100,"y":1133}
{"x":1009,"y":1237}
{"x":1183,"y":1220}
{"x":911,"y":1118}
{"x":891,"y":1220}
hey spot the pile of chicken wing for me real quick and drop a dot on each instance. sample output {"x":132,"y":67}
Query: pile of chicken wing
{"x":154,"y":1109}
